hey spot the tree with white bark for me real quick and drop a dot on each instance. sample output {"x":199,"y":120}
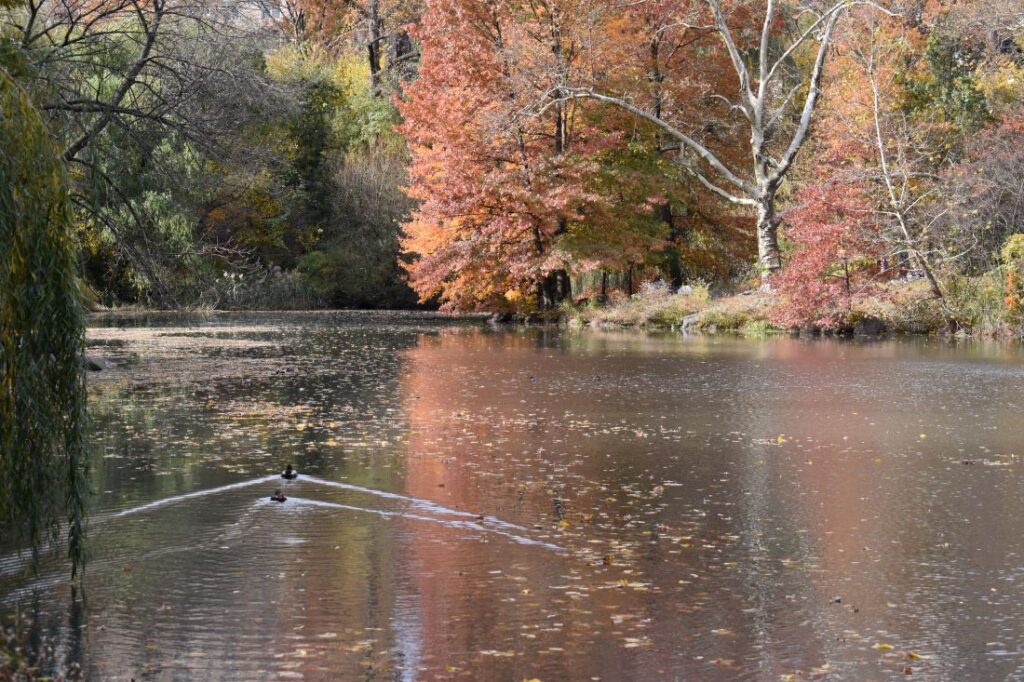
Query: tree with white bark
{"x":776,"y":97}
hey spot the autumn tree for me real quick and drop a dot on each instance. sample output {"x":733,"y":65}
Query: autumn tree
{"x":835,"y":247}
{"x":902,"y":104}
{"x":377,"y":27}
{"x":867,"y":204}
{"x":669,"y":67}
{"x":514,"y":200}
{"x":497,"y":187}
{"x":777,"y":87}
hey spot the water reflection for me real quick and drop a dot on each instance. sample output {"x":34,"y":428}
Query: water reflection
{"x":476,"y":504}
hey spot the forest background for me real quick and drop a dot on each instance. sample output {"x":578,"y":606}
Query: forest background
{"x":850,"y":158}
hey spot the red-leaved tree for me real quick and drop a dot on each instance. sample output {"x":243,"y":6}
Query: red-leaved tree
{"x":832,"y":267}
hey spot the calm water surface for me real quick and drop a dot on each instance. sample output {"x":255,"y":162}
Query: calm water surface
{"x":486,"y":505}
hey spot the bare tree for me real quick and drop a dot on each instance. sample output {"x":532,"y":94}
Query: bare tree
{"x":903,"y":170}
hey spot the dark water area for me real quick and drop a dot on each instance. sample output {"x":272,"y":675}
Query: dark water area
{"x":543,"y":504}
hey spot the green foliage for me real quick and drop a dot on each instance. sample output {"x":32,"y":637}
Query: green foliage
{"x":757,"y":328}
{"x":974,"y":304}
{"x":314,"y":141}
{"x":42,"y":388}
{"x":947,"y":86}
{"x":622,"y":231}
{"x":1013,"y":250}
{"x":351,"y":166}
{"x":737,"y":314}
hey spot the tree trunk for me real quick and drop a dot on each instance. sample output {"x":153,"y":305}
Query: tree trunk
{"x":373,"y":47}
{"x":400,"y":64}
{"x":769,"y":258}
{"x":554,"y":288}
{"x":922,"y":263}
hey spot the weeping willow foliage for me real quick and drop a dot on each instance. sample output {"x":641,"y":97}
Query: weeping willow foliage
{"x":42,"y":384}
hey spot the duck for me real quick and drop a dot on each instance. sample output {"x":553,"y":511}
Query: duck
{"x":278,"y":496}
{"x":289,"y":473}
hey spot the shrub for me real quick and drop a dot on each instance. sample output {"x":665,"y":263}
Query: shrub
{"x":655,"y":304}
{"x":738,"y":314}
{"x":974,"y":303}
{"x":261,"y":290}
{"x":1013,"y":264}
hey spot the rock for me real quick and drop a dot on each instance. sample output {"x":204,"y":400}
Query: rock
{"x":96,"y":364}
{"x":686,"y":289}
{"x":689,"y":323}
{"x":500,"y":318}
{"x":870,"y":326}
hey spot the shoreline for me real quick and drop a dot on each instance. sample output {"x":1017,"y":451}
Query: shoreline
{"x":720,"y":316}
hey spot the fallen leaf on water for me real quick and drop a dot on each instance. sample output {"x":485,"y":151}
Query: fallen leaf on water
{"x":882,"y":646}
{"x":636,"y":642}
{"x":727,"y":663}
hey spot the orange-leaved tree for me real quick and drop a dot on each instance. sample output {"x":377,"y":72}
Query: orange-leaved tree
{"x":778,"y":51}
{"x":503,"y":191}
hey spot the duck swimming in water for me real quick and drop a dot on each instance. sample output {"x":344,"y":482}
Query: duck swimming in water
{"x":278,"y":496}
{"x":289,"y":473}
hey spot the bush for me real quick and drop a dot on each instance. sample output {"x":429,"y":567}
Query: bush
{"x":1013,"y":264}
{"x":656,"y":304}
{"x":974,"y":304}
{"x":261,"y":290}
{"x":738,"y":314}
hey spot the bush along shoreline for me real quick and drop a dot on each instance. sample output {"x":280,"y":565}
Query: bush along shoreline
{"x":990,"y":306}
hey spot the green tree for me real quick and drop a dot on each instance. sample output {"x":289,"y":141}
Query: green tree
{"x":43,"y":467}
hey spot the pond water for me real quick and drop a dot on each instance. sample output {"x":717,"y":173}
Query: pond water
{"x":479,"y":504}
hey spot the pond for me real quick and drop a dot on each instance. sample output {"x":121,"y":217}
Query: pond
{"x":541,"y":504}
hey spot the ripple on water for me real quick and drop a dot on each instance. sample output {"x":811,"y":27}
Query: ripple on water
{"x":653,"y":507}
